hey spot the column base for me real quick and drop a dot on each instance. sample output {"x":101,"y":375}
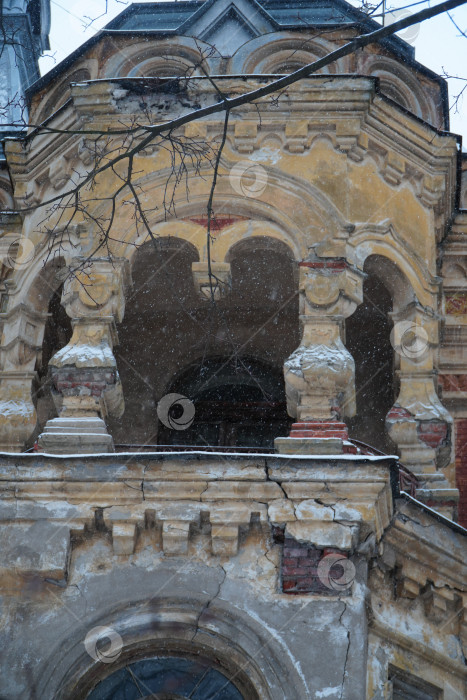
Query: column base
{"x":316,"y":437}
{"x":78,"y":435}
{"x":319,"y":429}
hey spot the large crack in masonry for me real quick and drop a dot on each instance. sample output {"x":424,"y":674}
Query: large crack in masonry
{"x":348,"y":647}
{"x":204,"y":491}
{"x":273,"y":481}
{"x":209,"y":603}
{"x":146,"y":466}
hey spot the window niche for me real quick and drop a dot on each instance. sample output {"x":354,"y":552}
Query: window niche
{"x":406,"y":686}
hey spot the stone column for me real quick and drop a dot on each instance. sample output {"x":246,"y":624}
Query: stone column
{"x":320,"y":374}
{"x":418,"y":422}
{"x":21,"y":342}
{"x":84,"y":376}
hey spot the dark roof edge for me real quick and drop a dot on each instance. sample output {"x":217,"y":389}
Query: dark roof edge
{"x":62,"y":66}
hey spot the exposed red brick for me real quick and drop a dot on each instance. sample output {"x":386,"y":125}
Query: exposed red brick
{"x":397,"y":412}
{"x":453,"y":382}
{"x":299,"y":570}
{"x":290,"y":561}
{"x":288,"y":586}
{"x":461,"y":469}
{"x":217,"y":222}
{"x":295,"y":571}
{"x":432,"y":433}
{"x":456,"y":304}
{"x":295,"y":552}
{"x":350,"y":449}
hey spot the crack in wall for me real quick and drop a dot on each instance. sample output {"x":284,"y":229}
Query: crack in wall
{"x":344,"y":671}
{"x":209,"y":603}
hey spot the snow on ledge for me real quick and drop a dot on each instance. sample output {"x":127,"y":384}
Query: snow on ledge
{"x":251,"y":455}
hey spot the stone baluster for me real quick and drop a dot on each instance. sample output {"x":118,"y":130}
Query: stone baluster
{"x":84,"y":376}
{"x":320,"y":374}
{"x":21,"y":342}
{"x":418,"y":423}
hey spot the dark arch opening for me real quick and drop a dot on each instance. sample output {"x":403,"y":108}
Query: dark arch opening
{"x":169,"y":328}
{"x":368,"y":340}
{"x":58,"y":330}
{"x":237,"y":402}
{"x":57,"y":333}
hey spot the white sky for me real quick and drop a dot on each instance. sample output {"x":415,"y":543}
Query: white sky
{"x":438,"y":44}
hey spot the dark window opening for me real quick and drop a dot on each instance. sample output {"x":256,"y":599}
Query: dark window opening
{"x":368,"y":340}
{"x":238,"y":402}
{"x":57,"y":334}
{"x":58,"y":330}
{"x":405,"y":686}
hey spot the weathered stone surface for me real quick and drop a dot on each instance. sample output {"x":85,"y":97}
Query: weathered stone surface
{"x":197,"y":554}
{"x":124,"y":538}
{"x":322,"y":534}
{"x":80,"y":435}
{"x":40,"y":548}
{"x":306,"y":446}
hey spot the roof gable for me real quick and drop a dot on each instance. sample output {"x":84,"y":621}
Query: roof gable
{"x":229,"y":33}
{"x":211,"y":12}
{"x":227,"y":24}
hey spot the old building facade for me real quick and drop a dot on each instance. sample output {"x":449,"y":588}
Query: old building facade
{"x":217,"y":344}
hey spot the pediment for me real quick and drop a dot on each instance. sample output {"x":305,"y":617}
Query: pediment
{"x":228,"y":24}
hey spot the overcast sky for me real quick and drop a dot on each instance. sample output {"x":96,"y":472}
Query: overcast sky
{"x":438,"y":43}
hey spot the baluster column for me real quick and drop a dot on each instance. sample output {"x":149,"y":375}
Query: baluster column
{"x":320,"y":374}
{"x":418,"y":423}
{"x":84,"y":375}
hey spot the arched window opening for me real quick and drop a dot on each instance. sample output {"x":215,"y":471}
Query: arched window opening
{"x":263,"y":274}
{"x":237,"y":402}
{"x":57,"y":331}
{"x":163,"y":67}
{"x":170,"y":329}
{"x":158,"y":331}
{"x":167,"y":678}
{"x":368,"y":340}
{"x":57,"y":334}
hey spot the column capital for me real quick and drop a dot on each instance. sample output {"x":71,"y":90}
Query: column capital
{"x":329,"y":288}
{"x":96,"y":289}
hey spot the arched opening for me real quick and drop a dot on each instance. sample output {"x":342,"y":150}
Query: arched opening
{"x":168,"y":59}
{"x":368,"y":340}
{"x":44,"y":296}
{"x":168,"y":678}
{"x":263,"y":273}
{"x":287,"y":51}
{"x":172,"y":335}
{"x":237,"y":402}
{"x":57,"y":333}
